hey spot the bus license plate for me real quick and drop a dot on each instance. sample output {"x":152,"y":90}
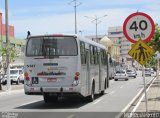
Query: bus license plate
{"x":51,"y":79}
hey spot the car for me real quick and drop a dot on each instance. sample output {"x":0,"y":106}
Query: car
{"x":152,"y":71}
{"x":147,"y":72}
{"x":16,"y":76}
{"x":121,"y":74}
{"x":131,"y":73}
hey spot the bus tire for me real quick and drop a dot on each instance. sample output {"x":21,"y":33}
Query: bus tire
{"x":91,"y":97}
{"x":102,"y":92}
{"x":107,"y":83}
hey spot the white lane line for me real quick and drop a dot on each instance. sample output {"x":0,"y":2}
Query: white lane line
{"x":29,"y":103}
{"x":130,"y":103}
{"x":97,"y":101}
{"x":70,"y":116}
{"x":121,"y":86}
{"x":112,"y":92}
{"x":137,"y":105}
{"x":11,"y":92}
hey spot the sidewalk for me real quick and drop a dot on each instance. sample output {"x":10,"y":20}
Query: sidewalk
{"x":14,"y":89}
{"x":153,"y":98}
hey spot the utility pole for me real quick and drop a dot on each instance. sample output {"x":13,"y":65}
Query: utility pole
{"x":75,"y":5}
{"x":8,"y":45}
{"x":81,"y":31}
{"x":96,"y":21}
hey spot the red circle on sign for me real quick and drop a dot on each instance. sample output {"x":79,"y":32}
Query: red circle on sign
{"x":141,"y":14}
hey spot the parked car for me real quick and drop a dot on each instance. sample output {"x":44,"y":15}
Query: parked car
{"x":16,"y":76}
{"x":131,"y":73}
{"x":121,"y":74}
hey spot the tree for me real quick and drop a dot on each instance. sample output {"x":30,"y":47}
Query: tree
{"x":155,"y":43}
{"x":3,"y":64}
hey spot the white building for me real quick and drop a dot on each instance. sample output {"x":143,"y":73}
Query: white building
{"x":117,"y":36}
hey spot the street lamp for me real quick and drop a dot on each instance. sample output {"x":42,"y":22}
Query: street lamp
{"x":81,"y":31}
{"x":75,"y":5}
{"x":7,"y":43}
{"x":96,"y":21}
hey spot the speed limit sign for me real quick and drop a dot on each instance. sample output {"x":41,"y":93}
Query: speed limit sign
{"x":138,"y":26}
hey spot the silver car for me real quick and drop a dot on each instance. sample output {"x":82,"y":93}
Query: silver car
{"x":148,"y":72}
{"x":131,"y":73}
{"x":121,"y":74}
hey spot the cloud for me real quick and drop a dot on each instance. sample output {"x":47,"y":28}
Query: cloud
{"x":59,"y":17}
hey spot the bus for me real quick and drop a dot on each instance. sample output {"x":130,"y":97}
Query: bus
{"x":113,"y":64}
{"x":65,"y":65}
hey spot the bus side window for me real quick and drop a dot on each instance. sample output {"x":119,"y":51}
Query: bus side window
{"x":82,"y":52}
{"x":91,"y":55}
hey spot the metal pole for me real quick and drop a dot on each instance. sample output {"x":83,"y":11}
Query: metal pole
{"x":146,"y":99}
{"x":96,"y":27}
{"x":75,"y":13}
{"x":8,"y":44}
{"x":96,"y":21}
{"x":75,"y":9}
{"x":157,"y":68}
{"x":1,"y":33}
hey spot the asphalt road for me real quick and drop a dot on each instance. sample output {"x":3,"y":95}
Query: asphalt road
{"x":116,"y":98}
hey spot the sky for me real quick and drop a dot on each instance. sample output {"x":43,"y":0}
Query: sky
{"x":58,"y":16}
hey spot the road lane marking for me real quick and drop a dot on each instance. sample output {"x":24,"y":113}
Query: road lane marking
{"x":70,"y":116}
{"x":112,"y":92}
{"x":131,"y":102}
{"x":11,"y":92}
{"x":121,"y":86}
{"x":97,"y":101}
{"x":29,"y":103}
{"x":137,"y":105}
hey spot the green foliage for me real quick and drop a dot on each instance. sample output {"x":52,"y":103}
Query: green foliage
{"x":151,"y":63}
{"x":12,"y":56}
{"x":155,"y":44}
{"x":155,"y":41}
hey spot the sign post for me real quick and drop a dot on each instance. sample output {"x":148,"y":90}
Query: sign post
{"x":144,"y":80}
{"x":139,"y":29}
{"x":157,"y":57}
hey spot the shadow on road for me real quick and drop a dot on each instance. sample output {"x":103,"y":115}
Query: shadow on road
{"x":62,"y":103}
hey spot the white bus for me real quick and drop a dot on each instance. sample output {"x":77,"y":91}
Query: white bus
{"x":59,"y":65}
{"x":112,"y":67}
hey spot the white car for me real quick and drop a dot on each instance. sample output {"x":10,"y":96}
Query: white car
{"x":131,"y":73}
{"x":16,"y":76}
{"x":121,"y":74}
{"x":148,"y":72}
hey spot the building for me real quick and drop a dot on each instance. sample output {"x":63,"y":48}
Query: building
{"x":113,"y":49}
{"x":117,"y":36}
{"x":3,"y":28}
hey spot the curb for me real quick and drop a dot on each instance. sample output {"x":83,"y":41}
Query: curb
{"x":120,"y":115}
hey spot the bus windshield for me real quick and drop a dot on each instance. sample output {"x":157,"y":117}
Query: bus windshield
{"x":52,"y":46}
